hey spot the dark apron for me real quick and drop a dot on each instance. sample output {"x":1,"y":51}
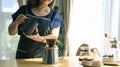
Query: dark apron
{"x":28,"y":48}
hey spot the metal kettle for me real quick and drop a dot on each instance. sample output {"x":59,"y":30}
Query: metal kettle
{"x":30,"y":25}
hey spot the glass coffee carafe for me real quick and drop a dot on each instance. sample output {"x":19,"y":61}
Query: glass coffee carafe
{"x":85,"y":52}
{"x":89,"y":57}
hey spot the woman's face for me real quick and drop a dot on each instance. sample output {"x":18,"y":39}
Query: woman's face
{"x":46,"y":2}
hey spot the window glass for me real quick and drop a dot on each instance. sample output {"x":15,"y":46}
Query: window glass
{"x":86,"y":25}
{"x":7,"y":43}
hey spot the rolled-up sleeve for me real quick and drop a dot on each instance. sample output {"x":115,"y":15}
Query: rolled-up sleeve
{"x":21,"y":10}
{"x":57,"y":21}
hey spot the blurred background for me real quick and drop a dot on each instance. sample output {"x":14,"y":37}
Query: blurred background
{"x":86,"y":21}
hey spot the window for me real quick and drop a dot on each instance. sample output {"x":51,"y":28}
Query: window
{"x":112,"y":22}
{"x":90,"y":19}
{"x":7,"y":43}
{"x":86,"y":25}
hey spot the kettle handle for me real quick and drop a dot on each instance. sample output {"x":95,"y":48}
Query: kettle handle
{"x":96,"y":50}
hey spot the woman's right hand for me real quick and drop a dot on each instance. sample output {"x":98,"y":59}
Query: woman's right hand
{"x":13,"y":27}
{"x":20,"y":19}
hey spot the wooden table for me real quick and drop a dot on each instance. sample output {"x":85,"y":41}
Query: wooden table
{"x":37,"y":62}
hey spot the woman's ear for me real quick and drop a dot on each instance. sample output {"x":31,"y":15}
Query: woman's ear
{"x":52,"y":4}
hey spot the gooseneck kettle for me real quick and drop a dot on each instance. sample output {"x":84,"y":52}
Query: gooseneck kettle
{"x":30,"y":24}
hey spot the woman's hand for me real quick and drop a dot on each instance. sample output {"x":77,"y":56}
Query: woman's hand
{"x":13,"y":27}
{"x":20,"y":19}
{"x":36,"y":37}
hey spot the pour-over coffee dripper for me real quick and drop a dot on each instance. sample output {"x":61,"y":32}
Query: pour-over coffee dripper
{"x":51,"y":52}
{"x":51,"y":42}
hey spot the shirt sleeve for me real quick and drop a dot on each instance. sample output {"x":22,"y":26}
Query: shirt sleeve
{"x":57,"y":21}
{"x":21,"y":10}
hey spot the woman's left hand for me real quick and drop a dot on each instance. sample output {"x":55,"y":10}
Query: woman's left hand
{"x":35,"y":37}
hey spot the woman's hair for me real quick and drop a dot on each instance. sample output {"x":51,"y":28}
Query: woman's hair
{"x":35,"y":3}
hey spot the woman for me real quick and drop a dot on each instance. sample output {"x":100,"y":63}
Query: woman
{"x":31,"y":46}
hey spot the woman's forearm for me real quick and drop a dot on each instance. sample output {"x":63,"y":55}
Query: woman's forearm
{"x":51,"y":36}
{"x":39,"y":38}
{"x":54,"y":34}
{"x":13,"y":28}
